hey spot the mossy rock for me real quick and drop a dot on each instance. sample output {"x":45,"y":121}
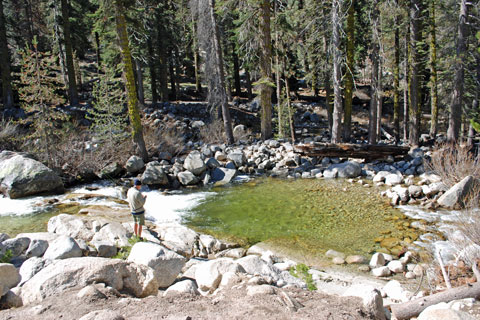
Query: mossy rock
{"x":389,"y":243}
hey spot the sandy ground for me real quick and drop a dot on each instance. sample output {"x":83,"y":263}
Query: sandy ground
{"x":232,"y":303}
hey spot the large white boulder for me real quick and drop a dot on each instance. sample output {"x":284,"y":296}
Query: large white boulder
{"x":178,"y":238}
{"x":377,"y":260}
{"x":194,"y":163}
{"x":62,"y":275}
{"x":187,"y":178}
{"x":9,"y":277}
{"x":223,"y":175}
{"x":21,"y":176}
{"x":114,"y":233}
{"x":16,"y":245}
{"x":456,"y":195}
{"x":182,"y":287}
{"x":209,"y":274}
{"x":63,"y":248}
{"x":71,"y":226}
{"x":393,"y":179}
{"x":134,"y":164}
{"x":154,"y":174}
{"x":31,"y":267}
{"x":166,"y":263}
{"x":395,"y":291}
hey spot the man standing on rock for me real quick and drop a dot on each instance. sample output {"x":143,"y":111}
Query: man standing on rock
{"x":136,"y":200}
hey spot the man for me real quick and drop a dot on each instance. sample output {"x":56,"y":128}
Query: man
{"x":136,"y":200}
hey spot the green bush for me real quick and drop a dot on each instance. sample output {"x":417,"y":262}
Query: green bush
{"x":301,"y":271}
{"x":6,"y":257}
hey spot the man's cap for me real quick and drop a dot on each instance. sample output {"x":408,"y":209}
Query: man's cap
{"x":137,"y":182}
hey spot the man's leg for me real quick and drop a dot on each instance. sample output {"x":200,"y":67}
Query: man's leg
{"x":135,"y":229}
{"x":140,"y":231}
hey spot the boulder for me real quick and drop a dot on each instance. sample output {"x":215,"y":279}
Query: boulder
{"x":371,"y":297}
{"x":63,"y":248}
{"x":154,"y":174}
{"x":212,"y":163}
{"x":134,"y":164}
{"x":182,"y":287}
{"x":187,"y":178}
{"x":441,"y":311}
{"x":9,"y":277}
{"x":111,"y":171}
{"x":261,"y":289}
{"x":36,"y":248}
{"x":194,"y":163}
{"x":380,"y":176}
{"x":209,"y":274}
{"x":31,"y":267}
{"x":402,"y":192}
{"x":21,"y":176}
{"x":395,"y":291}
{"x":223,"y":175}
{"x":356,"y":259}
{"x":457,"y":194}
{"x":255,"y":265}
{"x":105,"y":248}
{"x":347,"y":169}
{"x":113,"y":233}
{"x":377,"y":260}
{"x":12,"y":299}
{"x":333,"y":254}
{"x":70,"y":226}
{"x":165,"y":263}
{"x":178,"y":238}
{"x":220,"y":156}
{"x":3,"y":237}
{"x":238,"y":157}
{"x":381,"y":272}
{"x":65,"y":274}
{"x":393,"y":179}
{"x":235,"y":253}
{"x":396,"y":266}
{"x":16,"y":245}
{"x":240,"y":131}
{"x":415,"y":191}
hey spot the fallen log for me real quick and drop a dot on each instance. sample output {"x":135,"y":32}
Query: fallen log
{"x":365,"y":151}
{"x":413,"y":308}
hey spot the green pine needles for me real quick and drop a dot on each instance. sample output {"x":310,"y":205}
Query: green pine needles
{"x":109,"y":119}
{"x":301,"y":271}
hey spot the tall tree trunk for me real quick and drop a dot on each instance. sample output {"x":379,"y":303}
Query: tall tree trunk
{"x":379,"y":99}
{"x":249,"y":84}
{"x":72,"y":83}
{"x":58,"y":38}
{"x":337,"y":74}
{"x":433,"y":71}
{"x":133,"y":110}
{"x":196,"y":57}
{"x":373,"y":113}
{"x":139,"y":77}
{"x":162,"y":60}
{"x":7,"y":92}
{"x":97,"y":52}
{"x":171,"y":68}
{"x":290,"y":113}
{"x":278,"y":81}
{"x":265,"y":70}
{"x":406,"y":114}
{"x":396,"y":80}
{"x":236,"y":72}
{"x":328,"y":87}
{"x":347,"y":125}
{"x":227,"y":122}
{"x":415,"y":81}
{"x":153,"y":74}
{"x":28,"y":13}
{"x":454,"y":121}
{"x":176,"y":64}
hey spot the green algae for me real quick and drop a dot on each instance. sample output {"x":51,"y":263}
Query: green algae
{"x":307,"y":215}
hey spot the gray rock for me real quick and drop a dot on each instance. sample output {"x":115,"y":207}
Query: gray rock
{"x":178,"y":238}
{"x":235,"y":253}
{"x":165,"y":263}
{"x":154,"y":174}
{"x":415,"y":191}
{"x":65,"y":274}
{"x":371,"y":298}
{"x":36,"y":248}
{"x":458,"y":193}
{"x":223,"y":175}
{"x":395,"y":291}
{"x":239,"y":131}
{"x":377,"y":260}
{"x":113,"y":233}
{"x":381,"y":272}
{"x":31,"y":267}
{"x":105,"y":248}
{"x":134,"y":164}
{"x":396,"y":266}
{"x":182,"y":287}
{"x":238,"y":157}
{"x":261,"y":289}
{"x":111,"y":171}
{"x":187,"y":178}
{"x":393,"y":179}
{"x":63,"y":248}
{"x":12,"y":299}
{"x":220,"y":156}
{"x":334,"y":254}
{"x":209,"y":274}
{"x":347,"y":169}
{"x":380,"y":176}
{"x":255,"y":265}
{"x":71,"y":226}
{"x":16,"y":245}
{"x":21,"y":176}
{"x":198,"y":124}
{"x":330,"y":173}
{"x":194,"y":163}
{"x":3,"y":237}
{"x":212,"y":163}
{"x":444,"y":314}
{"x":356,"y":259}
{"x":9,"y":277}
{"x":401,"y":192}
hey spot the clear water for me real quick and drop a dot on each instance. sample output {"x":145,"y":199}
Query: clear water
{"x":310,"y":215}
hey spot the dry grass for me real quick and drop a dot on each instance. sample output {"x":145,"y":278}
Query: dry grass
{"x":453,"y":163}
{"x":163,"y":139}
{"x":213,"y":132}
{"x":8,"y":134}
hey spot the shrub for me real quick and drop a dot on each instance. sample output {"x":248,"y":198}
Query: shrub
{"x":213,"y":132}
{"x":9,"y":132}
{"x":163,"y":139}
{"x":301,"y":271}
{"x":6,"y":257}
{"x":453,"y":163}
